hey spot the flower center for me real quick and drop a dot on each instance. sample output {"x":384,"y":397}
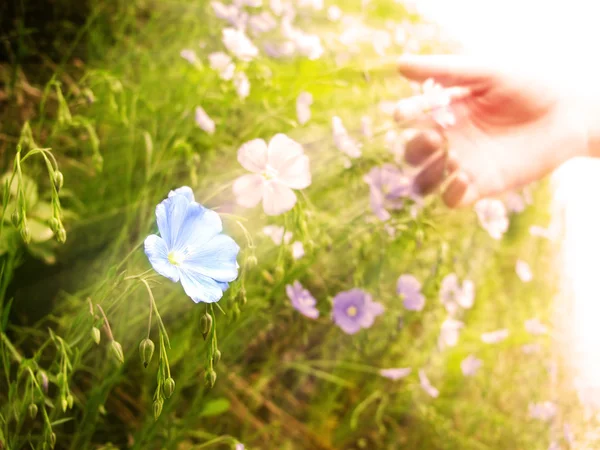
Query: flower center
{"x":269,"y":173}
{"x":175,"y":258}
{"x":351,"y":311}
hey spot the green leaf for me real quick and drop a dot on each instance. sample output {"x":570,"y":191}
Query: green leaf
{"x":214,"y":407}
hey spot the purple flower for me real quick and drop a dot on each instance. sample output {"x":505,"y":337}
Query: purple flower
{"x":426,"y":385}
{"x":302,"y":300}
{"x":470,"y":365}
{"x":354,"y":309}
{"x":492,"y":217}
{"x":409,"y":288}
{"x":395,"y":374}
{"x":388,"y":186}
{"x":493,"y":337}
{"x":453,"y":295}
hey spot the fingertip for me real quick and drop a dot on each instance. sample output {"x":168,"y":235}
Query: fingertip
{"x":421,"y":146}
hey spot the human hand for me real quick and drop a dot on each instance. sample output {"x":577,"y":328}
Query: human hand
{"x":511,"y":128}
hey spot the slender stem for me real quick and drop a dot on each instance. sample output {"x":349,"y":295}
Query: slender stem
{"x":149,"y":319}
{"x":11,"y":348}
{"x":106,"y":324}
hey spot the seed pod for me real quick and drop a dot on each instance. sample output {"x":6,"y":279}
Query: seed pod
{"x":61,"y":235}
{"x":16,"y":218}
{"x":210,"y":377}
{"x":25,"y":233}
{"x":58,"y":180}
{"x":33,"y":410}
{"x":64,"y":404}
{"x":217,"y":357}
{"x":146,"y":351}
{"x":169,"y":387}
{"x":54,"y":224}
{"x":117,"y":352}
{"x":157,"y":407}
{"x":52,"y":439}
{"x":70,"y":401}
{"x":96,"y":335}
{"x":206,"y":324}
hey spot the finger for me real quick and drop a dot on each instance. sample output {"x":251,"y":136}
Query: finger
{"x":434,"y":172}
{"x":424,"y":144}
{"x":455,"y":190}
{"x":447,"y":70}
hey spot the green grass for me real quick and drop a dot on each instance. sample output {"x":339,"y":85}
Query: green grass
{"x":284,"y":382}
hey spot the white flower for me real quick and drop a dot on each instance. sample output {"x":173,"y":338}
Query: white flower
{"x":276,"y":170}
{"x":523,"y":271}
{"x":453,"y":295}
{"x":492,"y":217}
{"x":204,"y":121}
{"x":317,"y":5}
{"x":543,"y":411}
{"x":426,"y":385}
{"x":366,"y":126}
{"x":280,"y":50}
{"x":303,"y":102}
{"x":515,"y":202}
{"x":334,"y":13}
{"x":230,"y":13}
{"x":309,"y":45}
{"x":449,"y":333}
{"x":189,"y":55}
{"x":250,"y":3}
{"x":262,"y":23}
{"x":546,"y":233}
{"x":277,"y":234}
{"x":239,"y":44}
{"x":381,"y":41}
{"x":470,"y":365}
{"x":342,"y":139}
{"x":297,"y":250}
{"x":493,"y":337}
{"x":396,"y":373}
{"x":535,"y":327}
{"x":221,"y":62}
{"x":242,"y":84}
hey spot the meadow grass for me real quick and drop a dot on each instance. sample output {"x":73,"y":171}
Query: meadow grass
{"x":120,"y":123}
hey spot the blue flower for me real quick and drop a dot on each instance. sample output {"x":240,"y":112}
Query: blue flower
{"x":191,"y":248}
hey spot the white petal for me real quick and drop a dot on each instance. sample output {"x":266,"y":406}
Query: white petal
{"x":248,"y":190}
{"x":253,"y":155}
{"x":277,"y":198}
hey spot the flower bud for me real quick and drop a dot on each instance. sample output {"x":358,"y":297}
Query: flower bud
{"x":16,"y":218}
{"x":58,"y":180}
{"x":64,"y":404}
{"x":210,"y":377}
{"x":33,"y":410}
{"x":70,"y":401}
{"x":42,"y":379}
{"x":206,"y":325}
{"x":52,"y":439}
{"x":54,"y":224}
{"x":157,"y":407}
{"x":117,"y":351}
{"x":61,"y":235}
{"x":96,"y":335}
{"x":169,"y":387}
{"x":251,"y":261}
{"x":217,"y":357}
{"x":268,"y":277}
{"x":146,"y":351}
{"x":25,"y":233}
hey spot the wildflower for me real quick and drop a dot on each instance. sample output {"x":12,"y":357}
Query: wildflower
{"x":381,"y":41}
{"x":277,"y":234}
{"x":334,"y":13}
{"x":515,"y":202}
{"x":221,"y":62}
{"x":523,"y":271}
{"x":410,"y":289}
{"x":366,"y":126}
{"x":297,"y":250}
{"x":535,"y":327}
{"x":280,"y":50}
{"x":354,"y":309}
{"x":395,"y":374}
{"x":449,"y":332}
{"x":204,"y":121}
{"x":543,"y":411}
{"x":342,"y":139}
{"x":494,"y":337}
{"x":470,"y":365}
{"x":239,"y":44}
{"x":262,"y":23}
{"x":308,"y":45}
{"x":303,"y":102}
{"x":388,"y":187}
{"x":189,"y":55}
{"x":437,"y":101}
{"x":191,"y":247}
{"x":276,"y":170}
{"x":454,"y":295}
{"x":146,"y":348}
{"x":492,"y":217}
{"x":317,"y":5}
{"x":231,"y":13}
{"x":538,"y":231}
{"x":426,"y":384}
{"x":302,"y":300}
{"x":250,"y":3}
{"x":239,"y":446}
{"x":242,"y":84}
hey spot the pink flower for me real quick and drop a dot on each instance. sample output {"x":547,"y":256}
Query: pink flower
{"x":239,"y":44}
{"x":303,"y":102}
{"x":342,"y":139}
{"x":449,"y":333}
{"x":221,"y":62}
{"x":242,"y":84}
{"x":297,"y":250}
{"x":426,"y":385}
{"x":204,"y":121}
{"x":395,"y":374}
{"x":492,"y":217}
{"x":493,"y":337}
{"x":189,"y":55}
{"x":470,"y":365}
{"x":276,"y":170}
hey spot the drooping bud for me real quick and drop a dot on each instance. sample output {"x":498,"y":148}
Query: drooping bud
{"x":251,"y":261}
{"x":217,"y":356}
{"x":42,"y":379}
{"x":52,"y":439}
{"x":58,"y":180}
{"x":157,"y":407}
{"x":117,"y":352}
{"x":206,"y":324}
{"x":210,"y":377}
{"x":64,"y":404}
{"x":169,"y":387}
{"x":70,"y":401}
{"x":96,"y":335}
{"x":54,"y":224}
{"x":61,"y":235}
{"x":33,"y":410}
{"x":25,"y":233}
{"x":146,"y":351}
{"x":16,"y":218}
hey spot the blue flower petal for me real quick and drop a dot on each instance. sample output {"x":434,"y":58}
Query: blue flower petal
{"x":199,"y":287}
{"x":223,"y":285}
{"x":170,"y":215}
{"x":158,"y":254}
{"x":215,"y":259}
{"x":199,"y":226}
{"x":185,"y":191}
